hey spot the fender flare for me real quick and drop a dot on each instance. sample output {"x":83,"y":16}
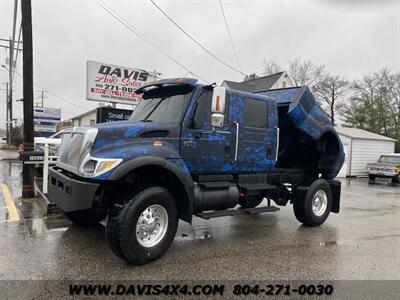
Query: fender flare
{"x":341,"y":155}
{"x":183,"y":177}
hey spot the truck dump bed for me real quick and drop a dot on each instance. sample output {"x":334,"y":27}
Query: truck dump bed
{"x":307,"y":137}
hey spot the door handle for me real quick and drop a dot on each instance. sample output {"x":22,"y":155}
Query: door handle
{"x":237,"y":139}
{"x":227,"y":149}
{"x":277,"y":144}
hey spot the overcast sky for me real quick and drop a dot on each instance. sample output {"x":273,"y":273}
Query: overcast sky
{"x":352,"y":38}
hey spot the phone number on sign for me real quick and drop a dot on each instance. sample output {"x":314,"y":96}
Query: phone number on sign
{"x":285,"y":290}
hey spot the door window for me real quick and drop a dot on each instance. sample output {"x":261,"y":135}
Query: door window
{"x":255,"y":113}
{"x":202,"y":112}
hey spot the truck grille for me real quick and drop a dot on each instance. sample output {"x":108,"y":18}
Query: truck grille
{"x":70,"y":149}
{"x":75,"y":145}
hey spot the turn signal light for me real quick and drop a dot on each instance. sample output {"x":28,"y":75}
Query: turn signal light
{"x":157,"y":143}
{"x":105,"y":165}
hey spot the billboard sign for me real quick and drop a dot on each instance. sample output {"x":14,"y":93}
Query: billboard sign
{"x":110,"y":114}
{"x":111,"y":83}
{"x":47,"y":114}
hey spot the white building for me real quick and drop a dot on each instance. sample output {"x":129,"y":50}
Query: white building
{"x":362,"y":147}
{"x":85,"y":119}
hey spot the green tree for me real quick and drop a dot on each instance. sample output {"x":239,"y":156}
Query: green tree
{"x":250,"y":77}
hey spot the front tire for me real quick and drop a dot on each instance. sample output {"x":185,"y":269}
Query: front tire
{"x":314,"y":209}
{"x":144,"y":228}
{"x":86,"y":217}
{"x":371,"y":177}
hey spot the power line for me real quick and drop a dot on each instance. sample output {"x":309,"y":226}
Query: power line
{"x":195,"y":41}
{"x":51,"y":93}
{"x":131,"y":28}
{"x":230,"y":36}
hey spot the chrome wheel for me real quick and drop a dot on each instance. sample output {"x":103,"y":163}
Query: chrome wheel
{"x":152,"y":225}
{"x":319,"y":203}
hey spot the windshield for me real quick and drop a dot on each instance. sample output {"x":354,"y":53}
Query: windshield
{"x":390,"y":159}
{"x":164,"y":107}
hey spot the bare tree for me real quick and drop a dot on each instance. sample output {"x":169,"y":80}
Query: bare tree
{"x":305,"y":72}
{"x":394,"y":92}
{"x":376,"y":104}
{"x":271,"y":67}
{"x":331,"y":92}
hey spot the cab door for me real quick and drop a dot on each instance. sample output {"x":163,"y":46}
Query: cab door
{"x":256,"y":124}
{"x":205,"y":149}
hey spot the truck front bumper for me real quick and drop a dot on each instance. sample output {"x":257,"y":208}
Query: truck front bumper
{"x":70,"y":194}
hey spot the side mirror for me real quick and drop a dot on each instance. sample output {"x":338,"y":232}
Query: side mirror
{"x":218,"y":107}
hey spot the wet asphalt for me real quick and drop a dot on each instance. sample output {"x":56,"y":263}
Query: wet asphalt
{"x":361,"y":242}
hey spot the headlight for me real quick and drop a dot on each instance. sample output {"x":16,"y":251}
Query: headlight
{"x":93,"y":166}
{"x":89,"y":166}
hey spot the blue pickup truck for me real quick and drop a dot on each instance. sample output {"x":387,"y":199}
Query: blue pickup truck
{"x":194,"y":149}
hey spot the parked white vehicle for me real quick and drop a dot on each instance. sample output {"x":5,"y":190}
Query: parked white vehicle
{"x":54,"y":141}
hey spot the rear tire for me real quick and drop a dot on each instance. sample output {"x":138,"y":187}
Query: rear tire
{"x":86,"y":217}
{"x":371,"y":177}
{"x":314,"y":208}
{"x":144,"y":228}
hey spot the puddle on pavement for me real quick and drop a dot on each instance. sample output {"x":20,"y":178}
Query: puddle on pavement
{"x":38,"y":219}
{"x":40,"y":227}
{"x":358,"y":239}
{"x":33,"y":208}
{"x":194,"y":233}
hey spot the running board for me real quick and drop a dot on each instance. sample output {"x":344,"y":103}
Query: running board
{"x":232,"y":212}
{"x":219,"y":213}
{"x":262,"y":209}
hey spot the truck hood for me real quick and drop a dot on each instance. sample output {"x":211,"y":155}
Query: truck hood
{"x":125,"y":140}
{"x":121,"y":133}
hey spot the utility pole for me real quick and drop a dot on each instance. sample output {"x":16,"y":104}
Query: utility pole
{"x":40,"y":103}
{"x":10,"y":72}
{"x":10,"y":92}
{"x":7,"y":118}
{"x":27,"y":170}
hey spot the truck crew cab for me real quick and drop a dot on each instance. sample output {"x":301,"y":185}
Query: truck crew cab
{"x":192,"y":149}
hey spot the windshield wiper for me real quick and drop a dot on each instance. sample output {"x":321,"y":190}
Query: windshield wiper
{"x":155,"y":107}
{"x":145,"y":120}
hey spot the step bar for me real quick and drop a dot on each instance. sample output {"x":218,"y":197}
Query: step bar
{"x":232,"y":212}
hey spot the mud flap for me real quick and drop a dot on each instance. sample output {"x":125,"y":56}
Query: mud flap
{"x":336,"y":186}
